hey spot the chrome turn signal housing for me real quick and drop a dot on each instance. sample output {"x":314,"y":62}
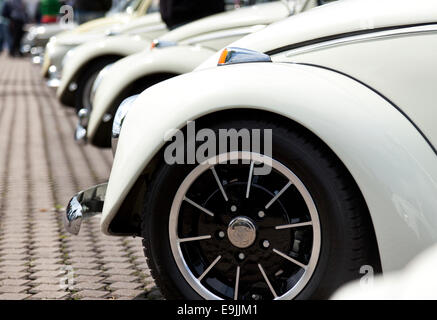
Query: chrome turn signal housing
{"x":235,"y":55}
{"x":120,"y":115}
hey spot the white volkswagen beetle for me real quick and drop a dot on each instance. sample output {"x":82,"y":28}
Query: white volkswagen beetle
{"x":344,"y":96}
{"x":175,"y":53}
{"x":37,"y":37}
{"x":145,"y":20}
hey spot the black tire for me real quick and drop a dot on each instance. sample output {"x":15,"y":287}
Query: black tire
{"x":86,"y":79}
{"x":347,"y":236}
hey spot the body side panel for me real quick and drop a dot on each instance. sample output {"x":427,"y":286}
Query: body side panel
{"x":403,"y":68}
{"x":117,"y":45}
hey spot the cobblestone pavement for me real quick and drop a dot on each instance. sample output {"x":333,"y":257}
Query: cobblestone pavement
{"x":40,"y":169}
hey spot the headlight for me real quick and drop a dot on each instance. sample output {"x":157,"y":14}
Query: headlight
{"x":240,"y":55}
{"x":120,"y":115}
{"x":98,"y":81}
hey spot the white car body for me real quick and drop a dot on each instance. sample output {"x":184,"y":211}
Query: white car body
{"x":191,"y":45}
{"x":380,"y":121}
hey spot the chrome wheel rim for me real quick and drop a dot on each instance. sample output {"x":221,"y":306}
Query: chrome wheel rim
{"x":232,"y":263}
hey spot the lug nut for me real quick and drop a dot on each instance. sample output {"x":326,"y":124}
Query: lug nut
{"x":266,"y":244}
{"x":241,"y":256}
{"x":221,"y":234}
{"x":261,"y":214}
{"x":234,"y":208}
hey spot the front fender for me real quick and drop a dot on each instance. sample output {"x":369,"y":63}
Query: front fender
{"x":122,"y":45}
{"x":394,"y":167}
{"x":171,"y":60}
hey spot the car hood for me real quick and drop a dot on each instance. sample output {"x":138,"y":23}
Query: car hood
{"x":335,"y":19}
{"x":104,"y":22}
{"x":127,"y":24}
{"x":248,"y":16}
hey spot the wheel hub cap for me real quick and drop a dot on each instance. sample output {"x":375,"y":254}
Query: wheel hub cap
{"x":241,"y":232}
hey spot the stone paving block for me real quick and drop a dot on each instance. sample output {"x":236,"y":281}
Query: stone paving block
{"x":121,"y":278}
{"x":46,"y":280}
{"x":87,"y":272}
{"x":14,"y":296}
{"x":46,"y":287}
{"x":13,"y":263}
{"x":91,"y":294}
{"x":89,"y":278}
{"x":46,"y":273}
{"x":115,"y":259}
{"x":125,"y":285}
{"x":47,"y":267}
{"x":12,"y":269}
{"x":17,"y":251}
{"x":126,"y":293}
{"x":50,"y":295}
{"x":85,"y":265}
{"x":14,"y":282}
{"x":118,"y":265}
{"x":125,"y":272}
{"x":13,"y":275}
{"x":45,"y":261}
{"x":13,"y":289}
{"x":82,"y":259}
{"x":88,"y":286}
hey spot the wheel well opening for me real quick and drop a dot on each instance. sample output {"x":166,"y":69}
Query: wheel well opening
{"x":101,"y":138}
{"x":131,"y":208}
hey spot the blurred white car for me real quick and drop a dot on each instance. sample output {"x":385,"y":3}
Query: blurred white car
{"x":37,"y":36}
{"x":175,"y":53}
{"x":144,"y":19}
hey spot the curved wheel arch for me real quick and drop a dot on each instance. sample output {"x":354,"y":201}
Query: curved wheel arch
{"x":122,"y":223}
{"x":134,"y":87}
{"x":67,"y":98}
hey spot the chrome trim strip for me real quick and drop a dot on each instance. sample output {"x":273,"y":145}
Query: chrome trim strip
{"x":240,"y":32}
{"x":401,"y":32}
{"x":84,"y":205}
{"x":152,"y":28}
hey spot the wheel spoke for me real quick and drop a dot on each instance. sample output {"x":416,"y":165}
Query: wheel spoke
{"x":209,"y":268}
{"x":283,"y":255}
{"x":219,"y":184}
{"x":249,"y":181}
{"x":199,"y":207}
{"x":294,"y":225}
{"x":278,"y":194}
{"x":237,"y":282}
{"x":267,"y":281}
{"x":194,"y":238}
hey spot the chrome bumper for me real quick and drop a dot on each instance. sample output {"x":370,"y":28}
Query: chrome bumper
{"x":84,"y":205}
{"x":54,"y":83}
{"x":80,"y":134}
{"x":54,"y":77}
